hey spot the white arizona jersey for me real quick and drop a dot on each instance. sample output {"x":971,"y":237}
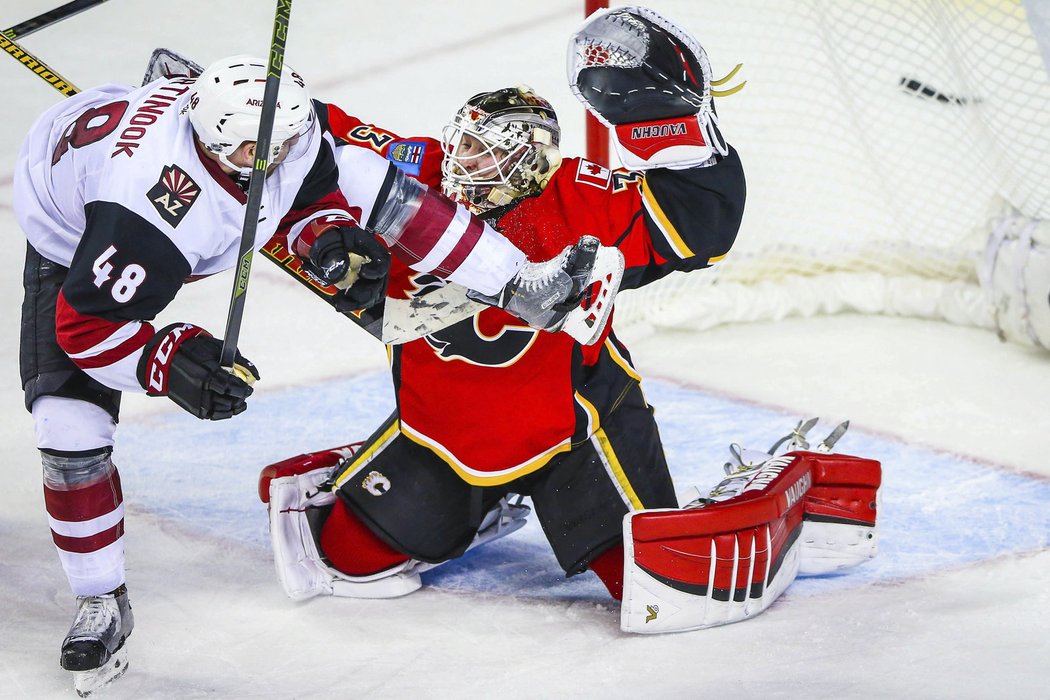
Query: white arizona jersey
{"x":112,"y":184}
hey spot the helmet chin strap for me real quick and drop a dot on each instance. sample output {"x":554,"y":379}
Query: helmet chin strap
{"x":244,"y":171}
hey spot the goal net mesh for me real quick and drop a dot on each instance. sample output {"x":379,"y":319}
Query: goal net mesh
{"x":881,"y":140}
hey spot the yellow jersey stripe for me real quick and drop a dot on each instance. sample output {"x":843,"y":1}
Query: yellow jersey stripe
{"x":666,"y":227}
{"x":475,"y":477}
{"x":612,"y":465}
{"x":365,"y":456}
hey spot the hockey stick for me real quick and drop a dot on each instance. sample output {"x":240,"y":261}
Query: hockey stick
{"x":46,"y":19}
{"x":16,"y":51}
{"x":255,"y":184}
{"x":37,"y":66}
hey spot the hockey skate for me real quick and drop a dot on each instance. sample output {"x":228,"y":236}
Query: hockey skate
{"x":745,"y":463}
{"x":94,"y":648}
{"x":572,"y":292}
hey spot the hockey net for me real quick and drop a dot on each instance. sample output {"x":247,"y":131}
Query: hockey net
{"x":883,"y":143}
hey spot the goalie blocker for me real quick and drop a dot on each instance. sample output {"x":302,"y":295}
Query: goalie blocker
{"x":803,"y":512}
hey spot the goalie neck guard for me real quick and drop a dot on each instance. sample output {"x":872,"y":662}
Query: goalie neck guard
{"x":500,"y":146}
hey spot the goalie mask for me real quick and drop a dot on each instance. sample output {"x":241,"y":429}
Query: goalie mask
{"x":500,"y":146}
{"x":226,"y":107}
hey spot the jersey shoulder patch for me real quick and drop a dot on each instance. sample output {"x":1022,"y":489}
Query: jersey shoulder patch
{"x":593,"y":174}
{"x":408,"y":156}
{"x":173,"y":194}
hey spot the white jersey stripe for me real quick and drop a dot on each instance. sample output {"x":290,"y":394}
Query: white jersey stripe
{"x":121,"y":335}
{"x":453,"y":232}
{"x":86,"y":528}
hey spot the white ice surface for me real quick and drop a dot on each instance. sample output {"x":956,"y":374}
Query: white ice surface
{"x":956,"y":606}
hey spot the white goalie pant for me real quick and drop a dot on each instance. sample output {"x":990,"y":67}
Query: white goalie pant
{"x":303,"y":573}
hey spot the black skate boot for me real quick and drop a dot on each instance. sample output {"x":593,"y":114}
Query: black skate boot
{"x":94,"y":648}
{"x":572,"y":292}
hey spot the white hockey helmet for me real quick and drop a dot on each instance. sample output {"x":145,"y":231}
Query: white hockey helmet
{"x":226,"y":106}
{"x":515,"y":133}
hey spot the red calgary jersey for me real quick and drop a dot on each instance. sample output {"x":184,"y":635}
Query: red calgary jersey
{"x":497,"y":399}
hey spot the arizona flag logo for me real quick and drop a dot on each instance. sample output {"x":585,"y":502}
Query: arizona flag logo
{"x":174,"y":194}
{"x":593,"y":174}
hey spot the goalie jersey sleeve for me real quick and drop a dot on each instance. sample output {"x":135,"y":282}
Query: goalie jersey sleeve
{"x":662,"y":220}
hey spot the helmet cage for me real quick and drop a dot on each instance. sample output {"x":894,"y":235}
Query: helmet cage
{"x":519,"y":138}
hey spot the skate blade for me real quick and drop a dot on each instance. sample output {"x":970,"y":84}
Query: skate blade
{"x":87,"y":682}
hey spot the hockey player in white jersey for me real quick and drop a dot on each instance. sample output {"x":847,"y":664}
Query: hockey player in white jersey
{"x":125,"y":194}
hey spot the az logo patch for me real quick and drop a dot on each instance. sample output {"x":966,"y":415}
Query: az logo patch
{"x":173,"y":195}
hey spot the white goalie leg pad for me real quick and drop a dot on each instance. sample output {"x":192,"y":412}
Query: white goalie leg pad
{"x":300,"y":569}
{"x":687,"y":569}
{"x":586,"y":325}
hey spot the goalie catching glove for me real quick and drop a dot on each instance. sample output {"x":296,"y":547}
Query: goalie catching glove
{"x":182,"y":362}
{"x":650,"y":81}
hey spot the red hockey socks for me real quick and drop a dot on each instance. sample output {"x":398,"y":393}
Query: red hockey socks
{"x":609,"y":568}
{"x":352,"y":548}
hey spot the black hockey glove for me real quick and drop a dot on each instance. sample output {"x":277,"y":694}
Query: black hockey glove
{"x":182,"y":362}
{"x":350,"y":258}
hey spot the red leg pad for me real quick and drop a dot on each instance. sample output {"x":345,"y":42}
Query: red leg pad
{"x":300,"y":464}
